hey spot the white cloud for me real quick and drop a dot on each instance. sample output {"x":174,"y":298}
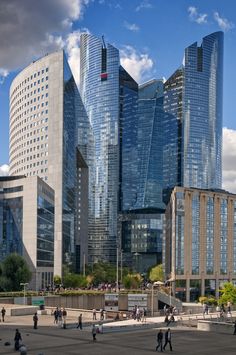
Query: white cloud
{"x":29,"y":29}
{"x":4,"y":170}
{"x":223,"y":23}
{"x":229,"y":160}
{"x":138,"y":65}
{"x":195,"y":16}
{"x":73,"y":51}
{"x":3,"y":74}
{"x":131,"y":26}
{"x":144,"y":5}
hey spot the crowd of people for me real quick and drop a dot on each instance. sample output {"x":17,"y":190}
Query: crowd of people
{"x":140,"y":314}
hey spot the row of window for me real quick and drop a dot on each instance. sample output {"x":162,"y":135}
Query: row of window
{"x":30,"y":78}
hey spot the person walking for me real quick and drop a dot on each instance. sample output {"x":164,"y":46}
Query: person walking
{"x":3,"y":312}
{"x":64,"y":315}
{"x":94,"y":314}
{"x":55,"y":313}
{"x":234,"y":327}
{"x":17,"y":339}
{"x":159,"y":340}
{"x":168,"y":339}
{"x":35,"y":320}
{"x":94,"y":332}
{"x":80,"y":322}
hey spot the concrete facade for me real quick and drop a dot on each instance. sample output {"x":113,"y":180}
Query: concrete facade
{"x":45,"y":108}
{"x":27,"y":240}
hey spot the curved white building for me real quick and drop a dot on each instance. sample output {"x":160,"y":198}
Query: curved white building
{"x":44,"y":110}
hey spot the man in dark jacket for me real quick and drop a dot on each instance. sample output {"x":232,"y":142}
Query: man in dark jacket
{"x":168,"y":339}
{"x":159,"y":340}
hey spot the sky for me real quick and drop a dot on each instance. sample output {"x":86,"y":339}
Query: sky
{"x":150,"y":34}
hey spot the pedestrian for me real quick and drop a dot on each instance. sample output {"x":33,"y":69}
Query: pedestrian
{"x":168,"y":339}
{"x":101,"y":314}
{"x":17,"y":339}
{"x":55,"y":313}
{"x":3,"y":311}
{"x":64,"y":315}
{"x":159,"y":340}
{"x":60,"y":317}
{"x":94,"y":332}
{"x":35,"y":320}
{"x":235,"y":327}
{"x":80,"y":322}
{"x":94,"y":314}
{"x":144,"y":318}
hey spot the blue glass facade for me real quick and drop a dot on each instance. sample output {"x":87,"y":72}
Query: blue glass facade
{"x":99,"y":87}
{"x":193,"y":118}
{"x":70,"y":122}
{"x":202,"y":113}
{"x":149,"y":146}
{"x":11,"y":223}
{"x":45,"y":233}
{"x":172,"y":131}
{"x":128,"y":141}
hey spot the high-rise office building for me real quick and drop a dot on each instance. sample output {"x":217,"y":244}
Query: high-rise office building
{"x":149,"y":146}
{"x":27,"y":225}
{"x":200,"y":241}
{"x":193,"y":105}
{"x":109,"y":95}
{"x":44,"y":115}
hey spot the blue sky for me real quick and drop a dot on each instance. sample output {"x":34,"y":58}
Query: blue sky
{"x":151,"y":35}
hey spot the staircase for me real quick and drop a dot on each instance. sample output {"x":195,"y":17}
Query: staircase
{"x":169,"y":300}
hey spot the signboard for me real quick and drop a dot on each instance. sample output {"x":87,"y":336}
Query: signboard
{"x":137,"y":299}
{"x":37,"y":301}
{"x":111,"y":302}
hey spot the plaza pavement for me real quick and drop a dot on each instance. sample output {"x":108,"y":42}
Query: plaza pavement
{"x":50,"y":339}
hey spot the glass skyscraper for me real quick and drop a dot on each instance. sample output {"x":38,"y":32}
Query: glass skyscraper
{"x":99,"y":87}
{"x":193,"y":102}
{"x":149,"y":146}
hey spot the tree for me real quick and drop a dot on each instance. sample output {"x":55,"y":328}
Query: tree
{"x":14,"y":271}
{"x":74,"y":280}
{"x":57,"y":280}
{"x":228,"y":293}
{"x":132,"y":281}
{"x":156,"y":273}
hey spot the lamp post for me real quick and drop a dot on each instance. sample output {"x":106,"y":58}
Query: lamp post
{"x":24,"y":284}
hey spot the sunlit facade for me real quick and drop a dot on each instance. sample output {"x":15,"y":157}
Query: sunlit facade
{"x":27,"y":225}
{"x":44,"y":115}
{"x":193,"y":120}
{"x":99,"y":88}
{"x":200,"y":240}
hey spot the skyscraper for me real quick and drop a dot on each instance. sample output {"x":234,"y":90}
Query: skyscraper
{"x":149,"y":145}
{"x":193,"y":103}
{"x":44,"y":116}
{"x":99,"y":87}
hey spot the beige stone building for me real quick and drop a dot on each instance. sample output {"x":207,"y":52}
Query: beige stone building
{"x":200,"y":242}
{"x":27,"y":225}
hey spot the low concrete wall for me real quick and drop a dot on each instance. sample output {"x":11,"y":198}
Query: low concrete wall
{"x":78,"y":302}
{"x":217,"y":327}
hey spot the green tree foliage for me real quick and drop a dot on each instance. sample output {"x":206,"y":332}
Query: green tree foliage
{"x":132,"y":281}
{"x":14,"y":271}
{"x":74,"y":280}
{"x":103,"y":272}
{"x":57,"y":280}
{"x":228,"y":293}
{"x":156,"y":273}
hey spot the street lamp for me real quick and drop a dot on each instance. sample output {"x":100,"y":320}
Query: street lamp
{"x":24,"y":284}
